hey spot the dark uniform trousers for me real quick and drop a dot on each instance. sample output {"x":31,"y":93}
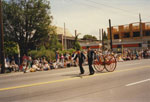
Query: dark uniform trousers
{"x":90,"y":66}
{"x":81,"y":58}
{"x":81,"y":68}
{"x":90,"y":61}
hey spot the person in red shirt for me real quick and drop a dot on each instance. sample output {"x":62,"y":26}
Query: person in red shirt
{"x":24,"y":58}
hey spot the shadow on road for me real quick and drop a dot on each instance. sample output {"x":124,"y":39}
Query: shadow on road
{"x":77,"y":75}
{"x":72,"y":75}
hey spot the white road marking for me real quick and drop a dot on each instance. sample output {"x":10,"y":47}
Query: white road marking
{"x":138,"y":82}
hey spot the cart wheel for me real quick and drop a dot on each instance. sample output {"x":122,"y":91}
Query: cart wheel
{"x":98,"y":66}
{"x":110,"y":63}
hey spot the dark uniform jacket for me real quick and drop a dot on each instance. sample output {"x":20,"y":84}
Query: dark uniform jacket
{"x":81,"y":57}
{"x":90,"y":56}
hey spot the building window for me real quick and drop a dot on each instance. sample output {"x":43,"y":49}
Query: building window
{"x":126,"y":35}
{"x":147,"y":33}
{"x":136,"y":34}
{"x":116,"y":36}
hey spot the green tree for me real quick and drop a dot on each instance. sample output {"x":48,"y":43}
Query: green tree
{"x":54,"y":43}
{"x":89,"y":37}
{"x":27,"y":22}
{"x":10,"y":48}
{"x":105,"y":36}
{"x":106,"y":43}
{"x":76,"y":43}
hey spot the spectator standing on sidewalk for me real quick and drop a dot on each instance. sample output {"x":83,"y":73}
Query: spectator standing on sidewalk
{"x":25,"y":58}
{"x":62,"y":60}
{"x":57,"y":59}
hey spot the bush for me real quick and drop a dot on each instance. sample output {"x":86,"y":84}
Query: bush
{"x":71,"y":50}
{"x":42,"y":53}
{"x":77,"y":45}
{"x":49,"y":54}
{"x":67,"y":51}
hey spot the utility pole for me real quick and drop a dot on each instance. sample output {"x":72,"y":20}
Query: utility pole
{"x":141,"y":33}
{"x":110,"y":30}
{"x":99,"y":35}
{"x":2,"y":56}
{"x":65,"y":36}
{"x":100,"y":39}
{"x":103,"y":41}
{"x":62,"y":38}
{"x":75,"y":38}
{"x":75,"y":33}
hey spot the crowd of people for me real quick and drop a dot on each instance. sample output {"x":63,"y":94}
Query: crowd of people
{"x":29,"y":64}
{"x":133,"y":55}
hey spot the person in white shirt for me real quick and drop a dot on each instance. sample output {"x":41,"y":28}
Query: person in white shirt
{"x":35,"y":66}
{"x":46,"y":66}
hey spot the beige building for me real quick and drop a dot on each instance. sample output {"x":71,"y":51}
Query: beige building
{"x":133,"y":36}
{"x":66,"y":38}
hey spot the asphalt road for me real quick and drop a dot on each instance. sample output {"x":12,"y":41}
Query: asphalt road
{"x":130,"y":82}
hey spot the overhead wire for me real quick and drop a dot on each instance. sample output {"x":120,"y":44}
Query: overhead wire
{"x":125,"y":10}
{"x":117,"y":8}
{"x":81,"y":3}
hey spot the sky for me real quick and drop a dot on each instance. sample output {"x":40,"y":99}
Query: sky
{"x":88,"y":16}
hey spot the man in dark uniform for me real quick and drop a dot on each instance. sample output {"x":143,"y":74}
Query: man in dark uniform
{"x":90,"y":55}
{"x":81,"y":59}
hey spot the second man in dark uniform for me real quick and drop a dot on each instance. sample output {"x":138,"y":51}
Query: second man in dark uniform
{"x":90,"y":55}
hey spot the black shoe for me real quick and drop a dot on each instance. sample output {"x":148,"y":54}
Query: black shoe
{"x":81,"y":73}
{"x":91,"y":73}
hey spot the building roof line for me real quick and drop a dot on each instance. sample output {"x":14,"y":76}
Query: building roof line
{"x":129,"y":24}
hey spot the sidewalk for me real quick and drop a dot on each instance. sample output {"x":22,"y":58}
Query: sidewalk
{"x":11,"y":74}
{"x":21,"y":73}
